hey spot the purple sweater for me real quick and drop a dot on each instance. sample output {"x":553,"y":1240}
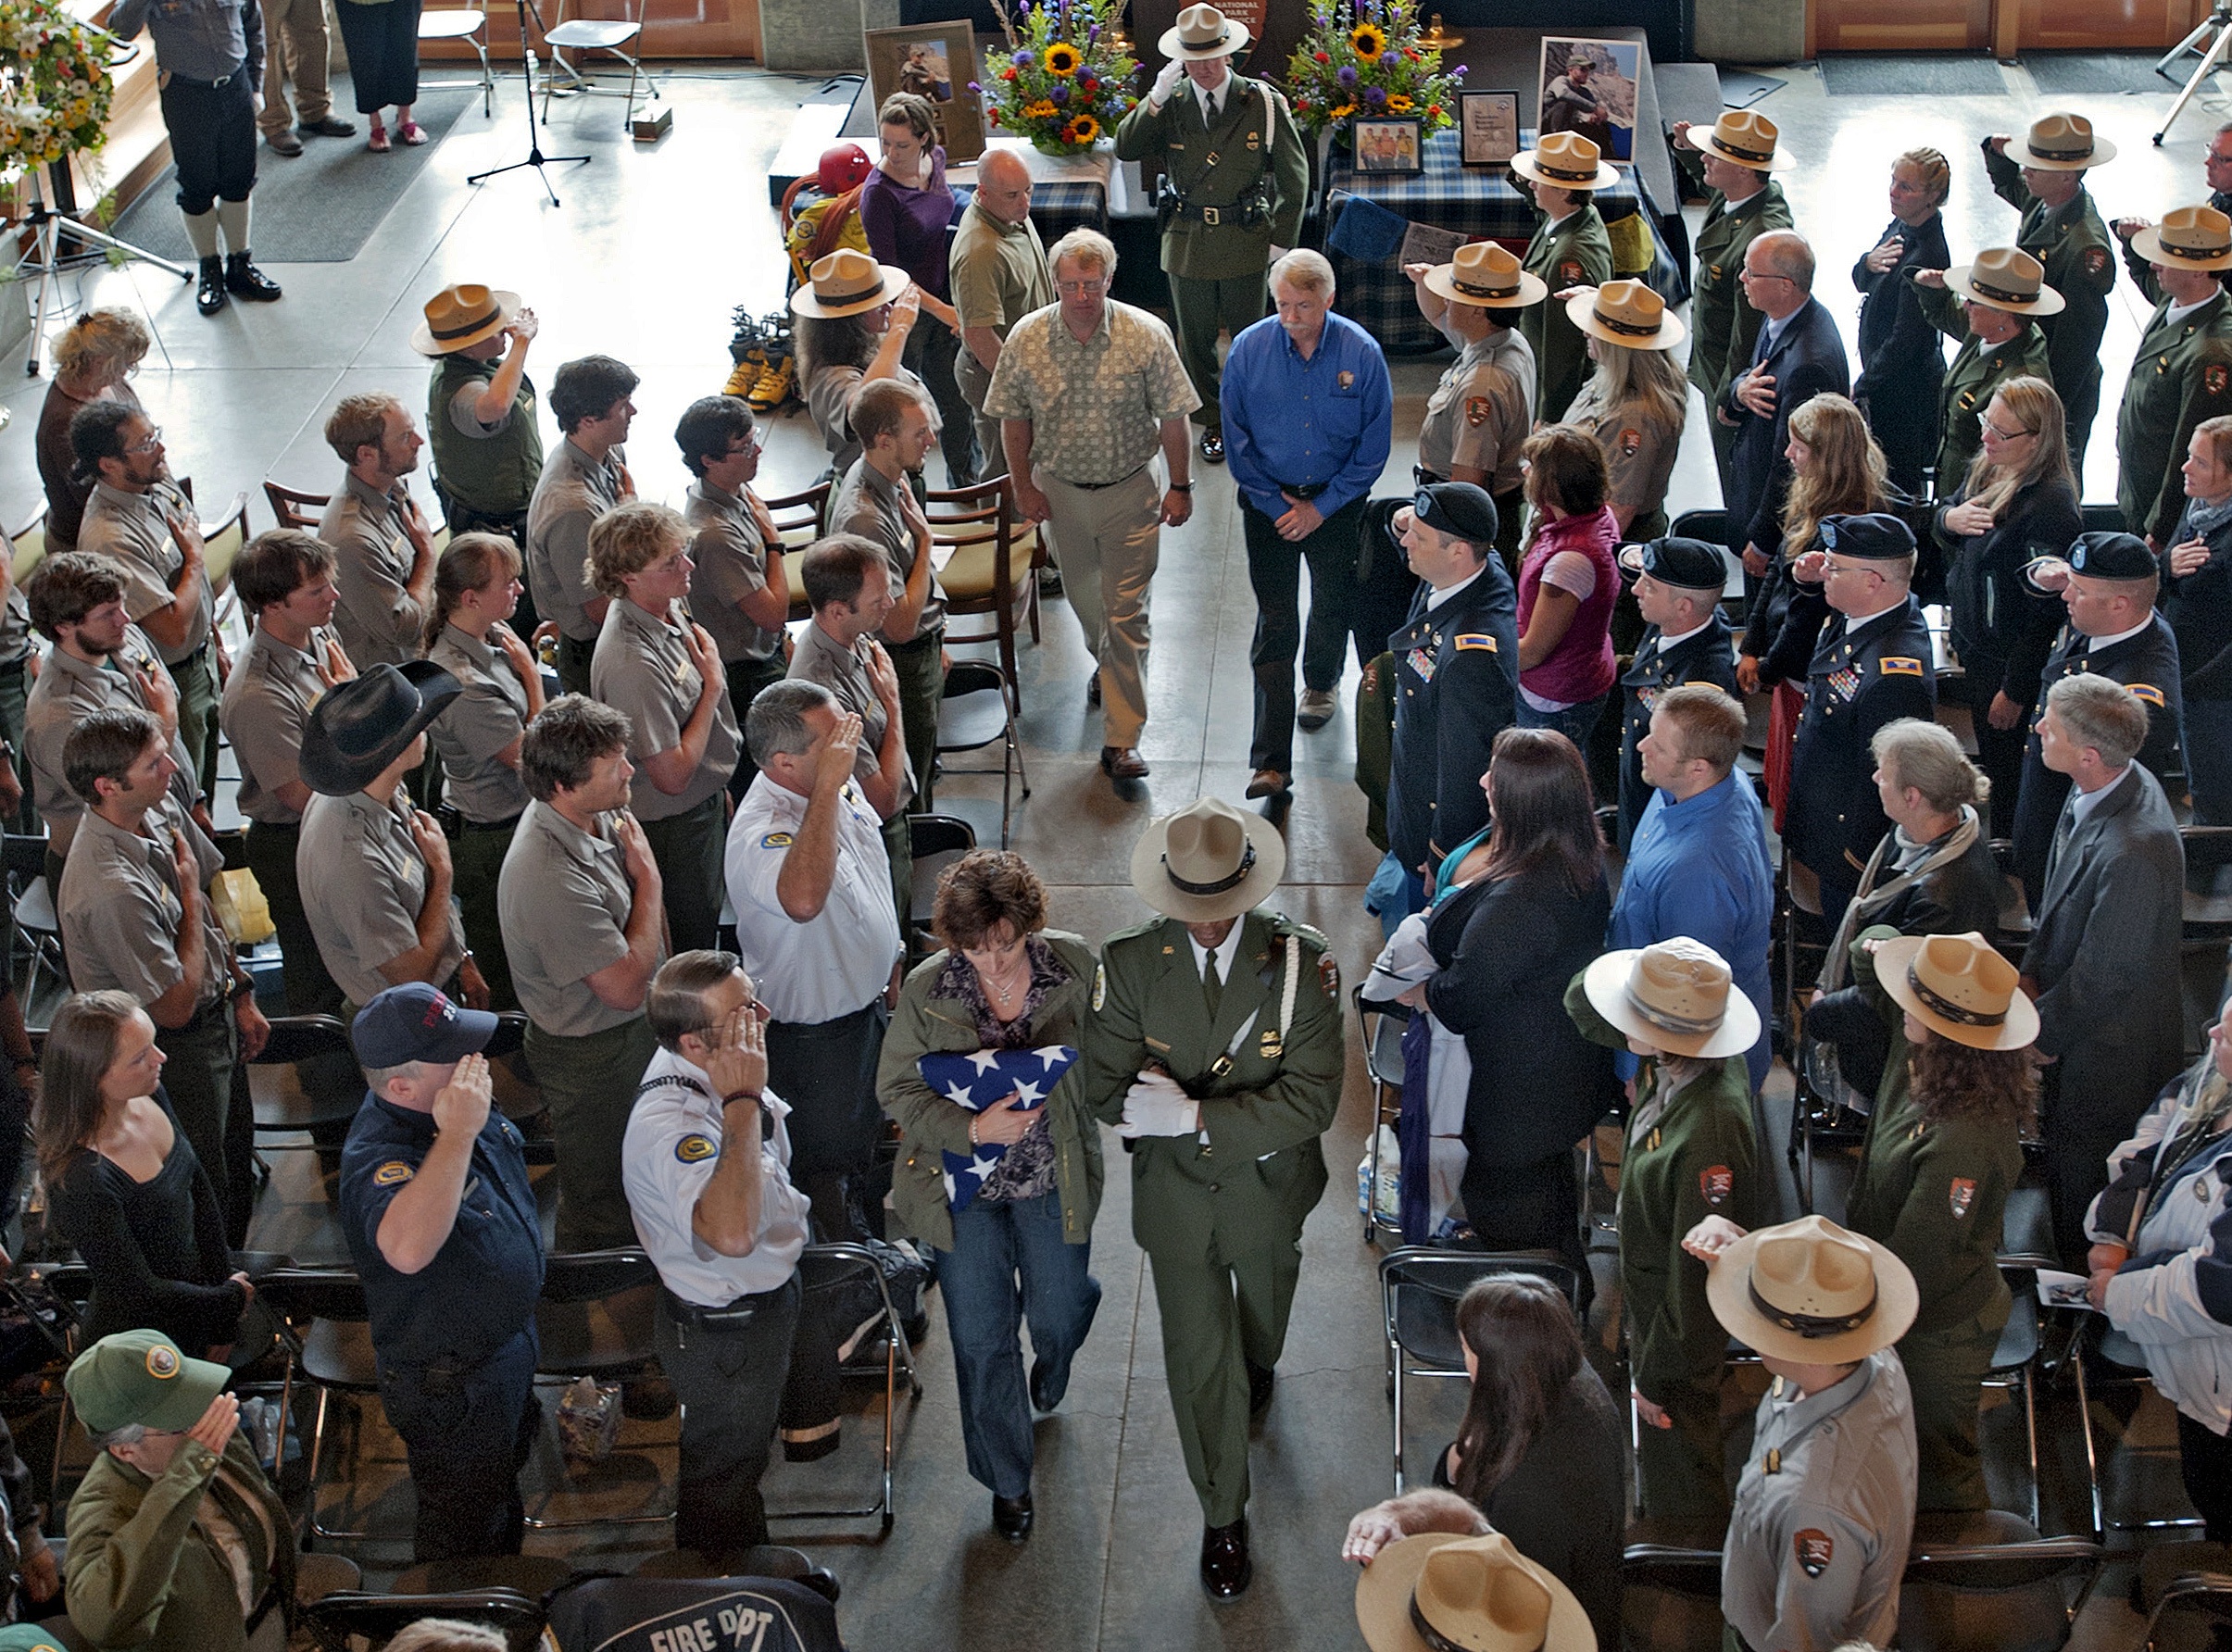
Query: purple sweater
{"x":908,"y":227}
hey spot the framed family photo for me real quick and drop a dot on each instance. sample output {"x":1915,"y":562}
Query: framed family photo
{"x":936,"y":60}
{"x":1390,"y":147}
{"x":1487,"y":128}
{"x":1588,"y":86}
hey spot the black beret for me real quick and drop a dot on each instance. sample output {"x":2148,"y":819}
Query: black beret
{"x":1691,"y":564}
{"x":1461,"y":509}
{"x":2112,"y":557}
{"x":1874,"y":537}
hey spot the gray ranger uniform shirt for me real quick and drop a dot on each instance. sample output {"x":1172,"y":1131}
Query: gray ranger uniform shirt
{"x":643,"y":668}
{"x":267,"y":706}
{"x":732,"y":565}
{"x":867,"y":504}
{"x":378,"y":619}
{"x":137,"y":530}
{"x":120,"y":911}
{"x":482,"y":721}
{"x":574,"y":491}
{"x":363,"y":882}
{"x":67,"y":693}
{"x":844,"y":671}
{"x":563,"y":900}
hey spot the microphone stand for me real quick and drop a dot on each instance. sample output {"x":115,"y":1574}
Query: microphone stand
{"x":535,"y":157}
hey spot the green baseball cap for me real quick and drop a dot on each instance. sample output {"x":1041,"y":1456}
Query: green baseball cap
{"x":28,"y":1637}
{"x":139,"y":1376}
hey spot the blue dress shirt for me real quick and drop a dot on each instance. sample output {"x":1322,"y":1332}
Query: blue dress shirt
{"x":1699,"y":869}
{"x":1329,"y":421}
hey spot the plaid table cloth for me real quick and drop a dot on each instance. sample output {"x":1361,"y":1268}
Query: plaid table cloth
{"x":1478,"y":203}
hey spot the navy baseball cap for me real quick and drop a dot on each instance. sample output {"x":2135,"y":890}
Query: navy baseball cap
{"x":417,"y":1023}
{"x":2112,"y":557}
{"x":1461,"y":509}
{"x":1873,"y":537}
{"x":1690,"y":564}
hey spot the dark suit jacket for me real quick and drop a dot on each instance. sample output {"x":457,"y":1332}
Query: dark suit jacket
{"x":1806,"y":360}
{"x":1902,"y":357}
{"x":2105,"y":955}
{"x":1457,"y":688}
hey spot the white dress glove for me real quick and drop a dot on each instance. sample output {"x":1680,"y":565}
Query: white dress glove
{"x":1156,"y":1107}
{"x":1166,"y":82}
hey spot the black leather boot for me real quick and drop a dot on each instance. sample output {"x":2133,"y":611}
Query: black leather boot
{"x":243,"y":280}
{"x":210,"y":296}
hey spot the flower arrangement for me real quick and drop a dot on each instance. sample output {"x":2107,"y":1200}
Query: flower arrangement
{"x":1366,"y":57}
{"x":55,"y":86}
{"x":1066,"y":77}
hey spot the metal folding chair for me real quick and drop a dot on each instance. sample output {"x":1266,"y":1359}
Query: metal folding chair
{"x":469,"y":25}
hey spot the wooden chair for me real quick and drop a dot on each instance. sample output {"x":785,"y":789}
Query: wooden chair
{"x":26,"y":544}
{"x":989,"y":567}
{"x":291,"y":509}
{"x":798,"y":519}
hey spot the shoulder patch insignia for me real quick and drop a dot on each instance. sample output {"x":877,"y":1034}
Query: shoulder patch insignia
{"x":1900,"y":665}
{"x":776,"y":840}
{"x":695,"y":1149}
{"x":1961,"y":1195}
{"x":1631,"y":443}
{"x":1716,"y":1183}
{"x":1569,"y":272}
{"x":1472,"y":641}
{"x":1329,"y":975}
{"x":1477,"y":409}
{"x":1814,"y":1549}
{"x":2148,"y":692}
{"x":2214,"y":377}
{"x":1101,"y":985}
{"x":2095,"y":261}
{"x":393,"y":1173}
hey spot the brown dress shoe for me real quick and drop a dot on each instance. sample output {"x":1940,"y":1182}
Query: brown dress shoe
{"x":1122,"y":762}
{"x":1266,"y":782}
{"x":1225,"y":1568}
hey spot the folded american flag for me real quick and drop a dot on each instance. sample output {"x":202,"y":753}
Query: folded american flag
{"x":982,"y":1079}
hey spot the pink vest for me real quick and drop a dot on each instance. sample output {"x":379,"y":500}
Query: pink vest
{"x":1582,"y":666}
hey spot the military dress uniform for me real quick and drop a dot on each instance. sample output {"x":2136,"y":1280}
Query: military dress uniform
{"x":1240,"y":189}
{"x":1219,"y":1213}
{"x":1825,"y":1511}
{"x":2079,"y":255}
{"x":1705,"y":655}
{"x":1575,"y":251}
{"x":1457,"y":688}
{"x":1728,"y":328}
{"x":1689,"y":1154}
{"x":1863,"y":675}
{"x":2181,"y":376}
{"x":1969,"y":384}
{"x":2146,"y":664}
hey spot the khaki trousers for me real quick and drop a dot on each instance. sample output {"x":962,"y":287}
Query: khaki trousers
{"x":296,"y":46}
{"x":1106,"y":541}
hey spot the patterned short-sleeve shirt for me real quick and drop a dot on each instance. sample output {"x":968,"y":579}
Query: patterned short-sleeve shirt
{"x":1096,"y":406}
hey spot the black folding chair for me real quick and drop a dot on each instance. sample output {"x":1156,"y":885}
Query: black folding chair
{"x":378,"y":1619}
{"x":1988,"y":1582}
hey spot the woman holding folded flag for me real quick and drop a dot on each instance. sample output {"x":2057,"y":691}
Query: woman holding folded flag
{"x":999,"y":1169}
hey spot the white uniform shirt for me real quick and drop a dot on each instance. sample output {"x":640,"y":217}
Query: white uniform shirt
{"x":839,"y":961}
{"x":666,"y":1160}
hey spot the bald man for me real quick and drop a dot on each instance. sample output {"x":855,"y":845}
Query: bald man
{"x":1799,"y":355}
{"x":999,"y":275}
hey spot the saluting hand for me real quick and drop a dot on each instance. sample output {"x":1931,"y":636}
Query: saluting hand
{"x":462,"y":1104}
{"x":215,"y":1429}
{"x":835,"y":764}
{"x":738,"y":1058}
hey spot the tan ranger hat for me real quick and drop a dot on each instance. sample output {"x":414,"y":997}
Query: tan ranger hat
{"x":2006,"y":278}
{"x":1487,"y":276}
{"x":1565,"y":160}
{"x":2187,"y":238}
{"x":1745,"y":139}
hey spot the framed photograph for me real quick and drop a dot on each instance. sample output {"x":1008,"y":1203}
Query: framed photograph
{"x":1487,"y":128}
{"x":1588,"y":86}
{"x":937,"y":60}
{"x":1390,"y":147}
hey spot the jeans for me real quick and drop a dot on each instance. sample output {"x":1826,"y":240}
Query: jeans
{"x":466,"y":1434}
{"x":1575,"y":722}
{"x":994,"y":1242}
{"x":730,"y":1379}
{"x":1274,"y":574}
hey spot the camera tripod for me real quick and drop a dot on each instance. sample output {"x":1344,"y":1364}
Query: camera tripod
{"x":2219,"y":21}
{"x":535,"y":157}
{"x":45,"y":259}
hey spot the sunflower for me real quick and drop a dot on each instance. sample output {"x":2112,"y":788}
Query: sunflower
{"x":1082,"y":130}
{"x":1061,"y":59}
{"x":1041,"y":110}
{"x":1342,"y":113}
{"x":1369,"y":40}
{"x":1400,"y":104}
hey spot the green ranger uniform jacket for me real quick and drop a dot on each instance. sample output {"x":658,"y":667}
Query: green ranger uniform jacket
{"x":1255,"y":1160}
{"x":1574,"y":253}
{"x":1256,"y":143}
{"x":1976,"y":372}
{"x":496,"y":473}
{"x":2079,"y":255}
{"x":1728,"y":328}
{"x":1934,"y":1192}
{"x":2181,"y":375}
{"x":1687,"y":1157}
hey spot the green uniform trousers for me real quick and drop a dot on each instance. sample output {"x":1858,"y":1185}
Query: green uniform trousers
{"x":196,"y":680}
{"x":208,"y":1090}
{"x":898,"y":847}
{"x":590,"y":1084}
{"x":476,"y":860}
{"x":574,"y":654}
{"x":920,"y":666}
{"x":1200,"y":309}
{"x":746,"y":678}
{"x":1223,"y":1310}
{"x":1680,"y":1470}
{"x":310,"y":987}
{"x":687,"y":847}
{"x":1945,"y":1371}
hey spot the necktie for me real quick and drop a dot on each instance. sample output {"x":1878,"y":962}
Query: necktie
{"x":2066,"y":825}
{"x":1213,"y":984}
{"x":1211,"y":118}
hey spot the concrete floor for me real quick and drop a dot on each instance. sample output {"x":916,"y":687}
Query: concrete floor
{"x":645,"y":260}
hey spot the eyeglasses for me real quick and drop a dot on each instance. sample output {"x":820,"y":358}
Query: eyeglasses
{"x":749,"y":445}
{"x":1080,"y":289}
{"x":2216,"y":160}
{"x":1761,"y":275}
{"x":1830,"y":570}
{"x":153,"y":441}
{"x":2015,"y":435}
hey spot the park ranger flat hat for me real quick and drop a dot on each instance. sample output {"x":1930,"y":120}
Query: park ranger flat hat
{"x":1208,"y":861}
{"x":848,"y":284}
{"x":1812,"y":1293}
{"x":1677,"y":996}
{"x":1624,"y":312}
{"x":2061,"y":143}
{"x":2006,"y":278}
{"x":459,"y":317}
{"x":1745,"y":139}
{"x":1203,"y":32}
{"x":1439,"y":1590}
{"x":1487,"y":276}
{"x":1565,"y":160}
{"x":2187,"y":238}
{"x":1961,"y":988}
